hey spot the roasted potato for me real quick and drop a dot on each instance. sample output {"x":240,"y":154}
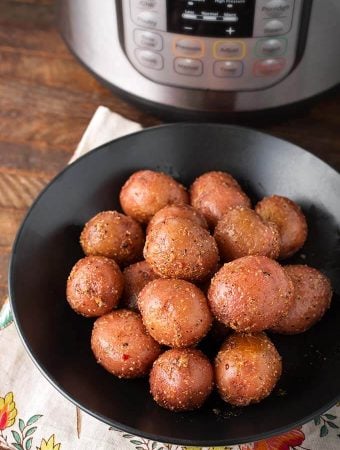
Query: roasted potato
{"x":136,"y":277}
{"x":146,"y":192}
{"x":247,"y":368}
{"x":242,"y":232}
{"x":94,"y":286}
{"x":290,"y":220}
{"x":179,"y":248}
{"x":214,"y":192}
{"x":184,"y":211}
{"x":174,"y":312}
{"x":181,"y":379}
{"x":251,"y":294}
{"x":122,"y":346}
{"x":113,"y":235}
{"x":312,"y":298}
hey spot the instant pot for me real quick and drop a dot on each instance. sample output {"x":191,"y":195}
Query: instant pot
{"x":208,"y":56}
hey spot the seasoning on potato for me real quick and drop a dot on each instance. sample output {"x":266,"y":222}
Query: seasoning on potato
{"x":312,"y":298}
{"x":122,"y":346}
{"x":94,"y":286}
{"x":179,"y":248}
{"x":251,"y":294}
{"x":136,"y":277}
{"x":181,"y":379}
{"x":184,"y":211}
{"x":174,"y":312}
{"x":146,"y":192}
{"x":113,"y":235}
{"x":214,"y":192}
{"x":247,"y":368}
{"x":289,"y":218}
{"x":242,"y":232}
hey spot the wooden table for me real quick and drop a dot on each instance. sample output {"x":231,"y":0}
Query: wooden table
{"x":47,"y":99}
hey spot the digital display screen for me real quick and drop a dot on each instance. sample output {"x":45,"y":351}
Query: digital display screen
{"x":223,"y":18}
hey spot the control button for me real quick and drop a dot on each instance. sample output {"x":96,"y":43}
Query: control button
{"x":277,"y":8}
{"x":275,"y":17}
{"x":188,"y":47}
{"x":271,"y":47}
{"x":274,"y":27}
{"x":229,"y":50}
{"x":148,"y":39}
{"x":230,"y":31}
{"x":269,"y":67}
{"x":228,"y":69}
{"x":148,"y":19}
{"x":144,"y":4}
{"x":149,"y":59}
{"x":188,"y":66}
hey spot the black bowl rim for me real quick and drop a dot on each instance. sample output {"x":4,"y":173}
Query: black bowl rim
{"x":113,"y":423}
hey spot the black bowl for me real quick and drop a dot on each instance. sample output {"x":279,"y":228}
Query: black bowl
{"x":57,"y":339}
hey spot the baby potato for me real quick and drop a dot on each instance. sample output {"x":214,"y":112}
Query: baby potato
{"x":214,"y":192}
{"x":312,"y":298}
{"x":247,"y":368}
{"x":179,"y":248}
{"x":209,"y":181}
{"x":290,"y":220}
{"x":122,"y":346}
{"x":113,"y":235}
{"x":251,"y":294}
{"x":184,"y":211}
{"x":175,"y":312}
{"x":242,"y":232}
{"x":94,"y":286}
{"x":181,"y":379}
{"x":136,"y":277}
{"x":146,"y":192}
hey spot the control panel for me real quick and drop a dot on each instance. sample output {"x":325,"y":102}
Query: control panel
{"x":212,"y":44}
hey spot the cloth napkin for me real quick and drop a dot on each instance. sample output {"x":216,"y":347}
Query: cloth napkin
{"x":33,"y":415}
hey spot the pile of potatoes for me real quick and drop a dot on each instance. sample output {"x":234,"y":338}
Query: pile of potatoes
{"x":209,"y":268}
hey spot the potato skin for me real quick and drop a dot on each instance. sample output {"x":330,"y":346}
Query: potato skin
{"x":247,"y":368}
{"x":209,"y":181}
{"x":312,"y":298}
{"x":214,"y":192}
{"x":178,"y":248}
{"x":184,"y":211}
{"x":175,"y":312}
{"x":113,"y":235}
{"x":146,"y":192}
{"x":136,"y":277}
{"x":121,"y":345}
{"x":94,"y":286}
{"x":250,"y":294}
{"x":242,"y":232}
{"x":181,"y":379}
{"x":289,"y":218}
